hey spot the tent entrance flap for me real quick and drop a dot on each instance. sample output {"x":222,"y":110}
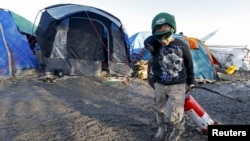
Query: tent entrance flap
{"x":85,"y":40}
{"x":78,"y":48}
{"x":85,"y":46}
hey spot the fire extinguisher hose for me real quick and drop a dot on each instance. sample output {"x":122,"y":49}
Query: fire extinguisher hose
{"x":218,"y":93}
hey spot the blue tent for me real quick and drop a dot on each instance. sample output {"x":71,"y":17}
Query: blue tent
{"x":15,"y":51}
{"x":137,"y":50}
{"x":203,"y":60}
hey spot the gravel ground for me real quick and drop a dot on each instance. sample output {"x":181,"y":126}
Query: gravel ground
{"x":91,"y":109}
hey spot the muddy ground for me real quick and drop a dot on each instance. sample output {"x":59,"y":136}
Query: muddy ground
{"x":94,"y":109}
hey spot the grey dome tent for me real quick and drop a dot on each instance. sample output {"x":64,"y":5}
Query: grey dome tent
{"x":82,"y":40}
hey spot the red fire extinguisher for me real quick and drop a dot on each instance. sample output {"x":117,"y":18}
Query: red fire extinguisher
{"x":198,"y":114}
{"x":195,"y":111}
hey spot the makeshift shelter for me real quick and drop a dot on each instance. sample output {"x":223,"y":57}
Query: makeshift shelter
{"x":82,"y":40}
{"x":228,"y":55}
{"x":16,"y":44}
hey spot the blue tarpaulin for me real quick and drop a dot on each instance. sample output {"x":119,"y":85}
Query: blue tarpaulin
{"x":15,"y":51}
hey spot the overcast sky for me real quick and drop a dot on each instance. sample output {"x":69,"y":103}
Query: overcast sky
{"x":196,"y":18}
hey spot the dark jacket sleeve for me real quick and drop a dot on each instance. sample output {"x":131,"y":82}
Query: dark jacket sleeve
{"x":152,"y":44}
{"x":188,"y":62}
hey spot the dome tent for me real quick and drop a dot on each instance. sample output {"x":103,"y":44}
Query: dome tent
{"x":78,"y":40}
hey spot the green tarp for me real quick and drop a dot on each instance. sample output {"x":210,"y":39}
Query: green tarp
{"x":23,"y":24}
